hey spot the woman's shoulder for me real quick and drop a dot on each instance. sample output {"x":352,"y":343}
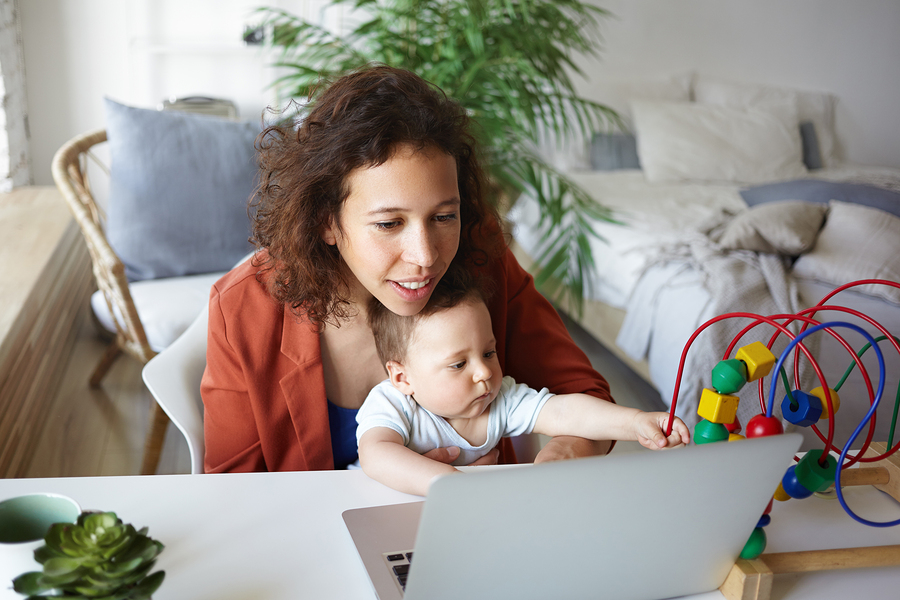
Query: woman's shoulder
{"x":243,"y":291}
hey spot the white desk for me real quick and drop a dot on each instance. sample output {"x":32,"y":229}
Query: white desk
{"x":279,"y":536}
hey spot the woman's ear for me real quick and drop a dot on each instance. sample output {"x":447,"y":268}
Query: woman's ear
{"x":397,"y":373}
{"x":329,"y":232}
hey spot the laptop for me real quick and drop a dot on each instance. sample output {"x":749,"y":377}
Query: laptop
{"x":640,"y":526}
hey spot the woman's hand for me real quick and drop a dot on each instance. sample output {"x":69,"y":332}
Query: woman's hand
{"x":564,"y":447}
{"x":450,"y":453}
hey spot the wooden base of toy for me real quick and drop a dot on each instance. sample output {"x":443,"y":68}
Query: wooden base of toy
{"x":752,"y":579}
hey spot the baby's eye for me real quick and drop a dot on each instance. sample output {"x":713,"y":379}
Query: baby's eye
{"x":458,"y":365}
{"x":490,"y":354}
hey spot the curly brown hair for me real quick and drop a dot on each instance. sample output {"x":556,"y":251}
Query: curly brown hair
{"x":358,"y":121}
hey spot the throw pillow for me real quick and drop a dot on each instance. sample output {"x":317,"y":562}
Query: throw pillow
{"x":788,"y":228}
{"x":179,"y":190}
{"x":857,"y":242}
{"x":816,"y":107}
{"x":614,"y":151}
{"x":682,"y":141}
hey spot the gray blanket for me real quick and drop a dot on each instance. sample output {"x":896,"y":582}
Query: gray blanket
{"x":693,"y":282}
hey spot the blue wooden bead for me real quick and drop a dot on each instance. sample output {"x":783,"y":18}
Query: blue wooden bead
{"x":764,"y":520}
{"x":729,"y":376}
{"x":804,"y":411}
{"x":792,"y":485}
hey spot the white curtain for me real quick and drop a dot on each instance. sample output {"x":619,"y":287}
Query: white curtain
{"x":15,"y":161}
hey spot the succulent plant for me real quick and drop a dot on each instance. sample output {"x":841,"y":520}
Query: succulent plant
{"x":98,"y":558}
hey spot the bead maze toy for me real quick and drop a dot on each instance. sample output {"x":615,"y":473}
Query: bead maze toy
{"x":818,"y":470}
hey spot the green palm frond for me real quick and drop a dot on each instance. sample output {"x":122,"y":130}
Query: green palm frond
{"x":509,"y":62}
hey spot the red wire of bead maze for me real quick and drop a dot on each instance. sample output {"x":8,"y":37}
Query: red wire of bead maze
{"x":752,"y":578}
{"x":781,"y":328}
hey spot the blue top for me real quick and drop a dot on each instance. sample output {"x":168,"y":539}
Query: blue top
{"x":342,"y":422}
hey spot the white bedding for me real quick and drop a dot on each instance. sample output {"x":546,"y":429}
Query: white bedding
{"x":657,"y":265}
{"x":654,"y":217}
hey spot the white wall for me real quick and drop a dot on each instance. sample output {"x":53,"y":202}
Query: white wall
{"x":850,"y":49}
{"x":141,"y":51}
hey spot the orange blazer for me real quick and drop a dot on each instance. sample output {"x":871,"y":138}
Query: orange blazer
{"x":264,"y":390}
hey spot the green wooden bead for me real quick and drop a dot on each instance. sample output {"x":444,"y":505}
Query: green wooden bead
{"x":814,"y":476}
{"x":706,"y":432}
{"x":755,"y":545}
{"x":729,"y":376}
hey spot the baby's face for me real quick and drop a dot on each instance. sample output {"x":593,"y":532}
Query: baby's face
{"x":452,"y":365}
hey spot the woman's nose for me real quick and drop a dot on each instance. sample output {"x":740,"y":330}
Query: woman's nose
{"x":420,"y":248}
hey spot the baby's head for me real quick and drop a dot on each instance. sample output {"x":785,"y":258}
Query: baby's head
{"x":446,"y":355}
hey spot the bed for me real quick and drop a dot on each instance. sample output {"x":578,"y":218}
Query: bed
{"x":731,"y":199}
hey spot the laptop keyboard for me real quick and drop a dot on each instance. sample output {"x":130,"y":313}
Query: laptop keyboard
{"x":399,"y":563}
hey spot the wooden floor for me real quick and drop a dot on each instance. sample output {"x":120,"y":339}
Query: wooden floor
{"x":100,"y":431}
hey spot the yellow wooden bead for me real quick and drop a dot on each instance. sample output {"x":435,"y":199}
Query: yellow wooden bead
{"x":835,"y":400}
{"x":780,"y":494}
{"x":733,"y":437}
{"x":758,"y":358}
{"x":716,"y":407}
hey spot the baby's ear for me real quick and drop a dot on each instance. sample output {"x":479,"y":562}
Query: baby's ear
{"x":397,"y":373}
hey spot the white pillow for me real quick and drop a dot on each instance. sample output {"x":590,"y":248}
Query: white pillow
{"x":574,"y":155}
{"x":811,"y":106}
{"x":857,"y":242}
{"x":619,"y":95}
{"x":681,"y":141}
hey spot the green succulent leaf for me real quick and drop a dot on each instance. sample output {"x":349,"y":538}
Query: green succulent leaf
{"x":98,"y":557}
{"x":28,"y":584}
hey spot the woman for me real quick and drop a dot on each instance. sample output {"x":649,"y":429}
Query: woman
{"x":377,"y":193}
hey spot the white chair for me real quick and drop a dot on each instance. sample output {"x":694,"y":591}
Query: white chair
{"x":173,"y":377}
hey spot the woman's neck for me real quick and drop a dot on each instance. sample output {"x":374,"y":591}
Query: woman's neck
{"x":349,"y":361}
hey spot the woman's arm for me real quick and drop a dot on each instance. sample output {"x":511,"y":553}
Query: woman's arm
{"x":384,"y":458}
{"x":231,"y":438}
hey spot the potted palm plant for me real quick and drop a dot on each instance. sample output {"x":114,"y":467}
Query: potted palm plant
{"x":508,"y":62}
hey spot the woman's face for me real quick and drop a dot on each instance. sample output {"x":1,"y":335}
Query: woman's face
{"x":399,"y":228}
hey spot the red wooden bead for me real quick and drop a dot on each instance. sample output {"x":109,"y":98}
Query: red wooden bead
{"x":734,"y":426}
{"x":761,"y":426}
{"x":769,"y":507}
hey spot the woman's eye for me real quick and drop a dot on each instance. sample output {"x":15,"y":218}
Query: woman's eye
{"x":386,"y":225}
{"x":445,"y":218}
{"x":458,"y":365}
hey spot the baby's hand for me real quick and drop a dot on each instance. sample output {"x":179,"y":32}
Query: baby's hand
{"x":650,"y":431}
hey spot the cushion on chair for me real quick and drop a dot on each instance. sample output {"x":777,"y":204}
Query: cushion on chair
{"x":179,"y":190}
{"x":166,"y":307}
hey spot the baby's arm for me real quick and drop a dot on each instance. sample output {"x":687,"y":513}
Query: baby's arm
{"x":384,"y":458}
{"x":589,"y":417}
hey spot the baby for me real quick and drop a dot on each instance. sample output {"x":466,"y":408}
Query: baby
{"x":446,"y":388}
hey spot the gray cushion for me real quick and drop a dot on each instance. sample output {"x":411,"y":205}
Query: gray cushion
{"x":614,"y":151}
{"x":179,"y":189}
{"x":812,"y":156}
{"x":821,"y":192}
{"x":789,"y":228}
